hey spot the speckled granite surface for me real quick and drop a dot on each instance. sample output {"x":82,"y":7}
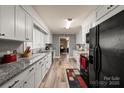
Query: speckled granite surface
{"x":10,"y":70}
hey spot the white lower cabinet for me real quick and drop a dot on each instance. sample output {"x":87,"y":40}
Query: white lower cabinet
{"x":76,"y":56}
{"x":16,"y":82}
{"x":31,"y":77}
{"x":43,"y":70}
{"x":29,"y":80}
{"x":38,"y":74}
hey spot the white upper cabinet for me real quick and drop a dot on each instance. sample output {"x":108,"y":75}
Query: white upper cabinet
{"x":20,"y":24}
{"x":38,"y":75}
{"x":29,"y":28}
{"x":79,"y":37}
{"x":106,"y":11}
{"x":103,"y":10}
{"x":49,"y":38}
{"x":7,"y":21}
{"x":16,"y":24}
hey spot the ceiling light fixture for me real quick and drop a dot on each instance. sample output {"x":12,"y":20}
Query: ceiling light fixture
{"x":68,"y":23}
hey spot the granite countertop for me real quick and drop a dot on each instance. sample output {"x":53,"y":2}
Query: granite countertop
{"x":10,"y":70}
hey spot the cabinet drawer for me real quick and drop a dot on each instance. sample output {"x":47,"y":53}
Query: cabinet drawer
{"x":30,"y":70}
{"x":16,"y":82}
{"x":29,"y":80}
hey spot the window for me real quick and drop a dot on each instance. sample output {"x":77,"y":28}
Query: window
{"x":38,"y":40}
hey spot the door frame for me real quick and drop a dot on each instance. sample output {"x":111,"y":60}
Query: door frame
{"x":68,"y":42}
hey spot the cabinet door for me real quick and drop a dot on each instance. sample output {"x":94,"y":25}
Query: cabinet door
{"x":50,"y":58}
{"x":20,"y":24}
{"x":43,"y":69}
{"x":29,"y":28}
{"x":29,"y":81}
{"x":38,"y":74}
{"x":103,"y":10}
{"x":7,"y":21}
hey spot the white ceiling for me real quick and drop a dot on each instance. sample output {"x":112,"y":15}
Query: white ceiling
{"x":54,"y":16}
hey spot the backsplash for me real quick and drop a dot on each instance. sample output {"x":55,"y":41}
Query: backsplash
{"x":9,"y":45}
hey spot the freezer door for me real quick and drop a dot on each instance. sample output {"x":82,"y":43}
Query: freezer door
{"x":111,"y":41}
{"x":91,"y":71}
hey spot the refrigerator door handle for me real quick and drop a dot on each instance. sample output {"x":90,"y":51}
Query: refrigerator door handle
{"x":97,"y":58}
{"x":94,"y":60}
{"x":97,"y":53}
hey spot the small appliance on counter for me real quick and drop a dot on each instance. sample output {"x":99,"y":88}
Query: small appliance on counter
{"x":80,"y":47}
{"x":48,"y":46}
{"x":9,"y":57}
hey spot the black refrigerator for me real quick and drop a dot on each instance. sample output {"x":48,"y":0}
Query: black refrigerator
{"x":106,"y":57}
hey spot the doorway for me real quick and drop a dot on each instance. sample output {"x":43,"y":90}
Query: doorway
{"x":64,"y":45}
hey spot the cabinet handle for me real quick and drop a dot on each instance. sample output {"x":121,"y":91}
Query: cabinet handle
{"x":110,"y":6}
{"x":31,"y":69}
{"x":14,"y":84}
{"x":2,"y":34}
{"x":25,"y":82}
{"x":40,"y":62}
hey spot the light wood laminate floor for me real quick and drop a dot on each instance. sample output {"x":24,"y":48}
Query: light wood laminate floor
{"x":56,"y":77}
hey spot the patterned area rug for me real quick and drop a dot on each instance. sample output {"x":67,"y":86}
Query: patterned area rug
{"x":75,"y":79}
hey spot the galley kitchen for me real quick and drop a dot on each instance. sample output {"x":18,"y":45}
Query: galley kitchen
{"x":61,"y":46}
